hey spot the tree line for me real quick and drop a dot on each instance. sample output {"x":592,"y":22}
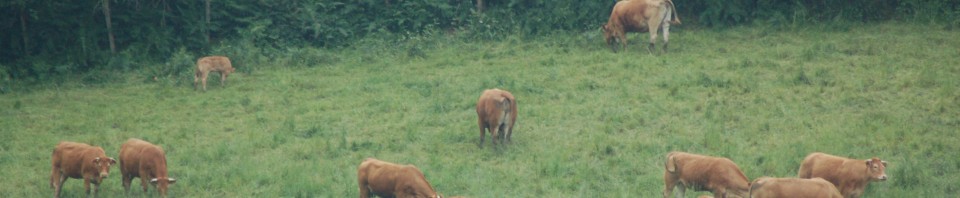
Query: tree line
{"x":59,"y":37}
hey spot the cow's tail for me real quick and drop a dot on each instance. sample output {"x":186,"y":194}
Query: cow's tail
{"x":673,"y":10}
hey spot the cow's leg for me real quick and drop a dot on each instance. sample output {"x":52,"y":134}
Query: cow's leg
{"x":362,"y":181}
{"x":96,"y":189}
{"x":86,"y":186}
{"x":495,"y":134}
{"x":510,"y":133}
{"x":654,"y":28}
{"x":666,"y":34}
{"x":623,"y":41}
{"x":668,"y":188}
{"x":482,"y":133}
{"x":127,"y":178}
{"x":203,"y":80}
{"x":143,"y":183}
{"x":681,"y":190}
{"x":196,"y":80}
{"x":54,"y":175}
{"x":59,"y":186}
{"x":223,"y":79}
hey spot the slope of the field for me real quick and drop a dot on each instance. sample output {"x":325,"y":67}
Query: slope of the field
{"x":591,"y":124}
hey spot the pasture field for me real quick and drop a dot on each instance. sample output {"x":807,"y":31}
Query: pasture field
{"x":592,"y":123}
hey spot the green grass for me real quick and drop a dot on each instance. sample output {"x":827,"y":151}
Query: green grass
{"x":592,"y":123}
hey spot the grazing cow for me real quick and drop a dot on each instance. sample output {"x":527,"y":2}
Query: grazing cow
{"x":142,"y":159}
{"x":496,"y":111}
{"x":386,"y":179}
{"x":704,"y":173}
{"x":765,"y":187}
{"x":209,"y":64}
{"x":79,"y":160}
{"x":850,"y":176}
{"x":640,"y":16}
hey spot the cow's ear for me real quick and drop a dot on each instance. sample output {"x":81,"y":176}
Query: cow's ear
{"x":112,"y":161}
{"x":884,"y":163}
{"x":172,"y":180}
{"x":869,"y":162}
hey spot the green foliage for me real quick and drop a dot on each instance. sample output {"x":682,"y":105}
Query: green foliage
{"x":54,"y":38}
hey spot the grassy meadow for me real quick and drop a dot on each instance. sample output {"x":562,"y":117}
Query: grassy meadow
{"x":592,"y":123}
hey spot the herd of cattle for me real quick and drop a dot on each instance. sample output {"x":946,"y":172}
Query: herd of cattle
{"x":820,"y":174}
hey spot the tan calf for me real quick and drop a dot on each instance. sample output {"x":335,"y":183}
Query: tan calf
{"x":209,"y":64}
{"x":703,"y":173}
{"x":850,"y":176}
{"x":496,"y":111}
{"x":768,"y":187}
{"x":79,"y":161}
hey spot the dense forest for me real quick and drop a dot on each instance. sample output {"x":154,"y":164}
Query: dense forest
{"x":43,"y":38}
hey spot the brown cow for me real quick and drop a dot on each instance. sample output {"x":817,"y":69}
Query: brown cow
{"x":704,"y":173}
{"x":142,"y":159}
{"x":79,"y":160}
{"x":640,"y":16}
{"x":850,"y":176}
{"x":793,"y":187}
{"x":209,"y":64}
{"x":386,"y":179}
{"x":496,"y":111}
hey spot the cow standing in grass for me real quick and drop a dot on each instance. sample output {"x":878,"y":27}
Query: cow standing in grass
{"x":79,"y":161}
{"x":640,"y":16}
{"x":209,"y":64}
{"x":496,"y":111}
{"x":142,"y":159}
{"x":850,"y":176}
{"x":387,"y":179}
{"x":704,"y":173}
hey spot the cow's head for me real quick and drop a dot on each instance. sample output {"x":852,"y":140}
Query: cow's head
{"x":877,"y":169}
{"x":103,"y":165}
{"x":162,"y":184}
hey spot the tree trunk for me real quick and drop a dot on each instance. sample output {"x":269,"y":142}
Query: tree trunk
{"x":106,"y":14}
{"x":479,"y":5}
{"x":23,"y":30}
{"x":206,"y":26}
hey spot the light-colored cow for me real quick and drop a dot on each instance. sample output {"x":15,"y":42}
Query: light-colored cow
{"x":850,"y":176}
{"x":640,"y":16}
{"x":496,"y":111}
{"x":387,"y":179}
{"x":704,"y":173}
{"x":768,"y":187}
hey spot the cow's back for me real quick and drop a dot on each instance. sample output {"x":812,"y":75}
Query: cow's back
{"x":214,"y":63}
{"x":821,"y":165}
{"x":630,"y":15}
{"x":793,"y":187}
